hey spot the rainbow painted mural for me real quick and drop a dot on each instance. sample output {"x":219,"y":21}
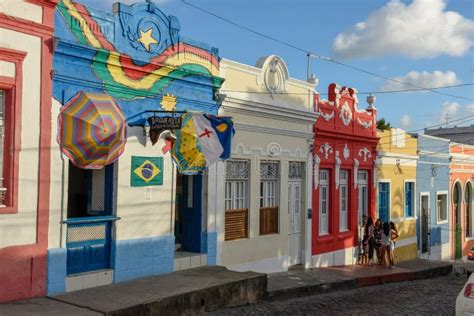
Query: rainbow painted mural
{"x":135,"y":55}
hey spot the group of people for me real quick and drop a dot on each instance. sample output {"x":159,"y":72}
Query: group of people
{"x":379,"y":238}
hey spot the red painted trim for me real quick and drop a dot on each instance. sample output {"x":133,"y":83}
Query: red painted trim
{"x":27,"y":27}
{"x":23,"y":268}
{"x":13,"y":105}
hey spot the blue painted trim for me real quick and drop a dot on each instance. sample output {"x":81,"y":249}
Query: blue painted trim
{"x":136,"y":258}
{"x":56,"y":271}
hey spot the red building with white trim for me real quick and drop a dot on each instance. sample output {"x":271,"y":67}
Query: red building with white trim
{"x":26,"y":45}
{"x":344,"y":152}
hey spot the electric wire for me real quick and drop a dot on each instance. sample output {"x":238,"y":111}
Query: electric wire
{"x":310,"y":54}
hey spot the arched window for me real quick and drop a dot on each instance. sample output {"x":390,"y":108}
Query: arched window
{"x":468,"y":201}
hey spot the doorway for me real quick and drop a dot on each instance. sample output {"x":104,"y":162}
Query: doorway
{"x":457,"y":202}
{"x":89,"y":220}
{"x":294,"y":218}
{"x":425,"y":225}
{"x":188,"y":213}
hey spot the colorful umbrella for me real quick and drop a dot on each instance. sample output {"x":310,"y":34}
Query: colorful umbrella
{"x":186,"y":150}
{"x":92,"y":130}
{"x":202,"y":140}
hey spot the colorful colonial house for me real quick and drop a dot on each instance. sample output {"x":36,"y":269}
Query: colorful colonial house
{"x":26,"y":32}
{"x":117,"y":75}
{"x":345,"y":140}
{"x":262,"y":195}
{"x":396,"y":189}
{"x":461,"y":182}
{"x":432,"y":198}
{"x":461,"y":179}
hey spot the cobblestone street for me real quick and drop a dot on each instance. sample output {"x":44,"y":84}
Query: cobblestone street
{"x":435,"y":296}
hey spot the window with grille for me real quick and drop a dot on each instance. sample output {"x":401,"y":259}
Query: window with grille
{"x":236,"y":199}
{"x":343,"y":200}
{"x":409,"y":198}
{"x":269,"y":199}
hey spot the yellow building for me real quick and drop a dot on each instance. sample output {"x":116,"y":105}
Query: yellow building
{"x":396,"y":188}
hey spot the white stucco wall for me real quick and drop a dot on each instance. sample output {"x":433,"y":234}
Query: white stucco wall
{"x":20,"y":228}
{"x":22,"y":9}
{"x":144,"y":211}
{"x":262,"y":121}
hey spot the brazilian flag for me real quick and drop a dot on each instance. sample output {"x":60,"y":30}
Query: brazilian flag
{"x":146,"y":171}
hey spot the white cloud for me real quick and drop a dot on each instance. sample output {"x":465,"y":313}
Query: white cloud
{"x":417,"y":30}
{"x":405,"y":121}
{"x":470,"y":109}
{"x":449,"y":111}
{"x":424,"y":79}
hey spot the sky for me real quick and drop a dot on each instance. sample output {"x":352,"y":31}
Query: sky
{"x":426,"y":43}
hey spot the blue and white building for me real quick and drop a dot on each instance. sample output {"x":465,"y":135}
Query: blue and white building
{"x":432,"y":179}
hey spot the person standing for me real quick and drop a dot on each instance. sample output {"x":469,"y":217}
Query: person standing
{"x":393,"y":236}
{"x":386,"y":243}
{"x":369,"y":232}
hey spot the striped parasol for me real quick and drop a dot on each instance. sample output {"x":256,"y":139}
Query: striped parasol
{"x":92,"y":130}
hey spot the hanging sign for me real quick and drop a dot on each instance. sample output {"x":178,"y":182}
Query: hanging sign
{"x":159,"y":124}
{"x":146,"y":171}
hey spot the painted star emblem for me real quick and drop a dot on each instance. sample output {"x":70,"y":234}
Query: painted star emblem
{"x":146,"y":38}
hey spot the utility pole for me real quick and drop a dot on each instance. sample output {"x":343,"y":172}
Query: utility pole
{"x":447,"y":119}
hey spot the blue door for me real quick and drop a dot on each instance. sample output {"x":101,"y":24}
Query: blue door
{"x":190,"y":216}
{"x":89,"y":224}
{"x":384,"y":201}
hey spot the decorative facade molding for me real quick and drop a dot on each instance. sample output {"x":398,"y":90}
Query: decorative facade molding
{"x":274,"y":74}
{"x":326,"y":149}
{"x":338,"y":168}
{"x":326,"y":117}
{"x":346,"y":114}
{"x":365,"y":124}
{"x":365,"y":154}
{"x":346,"y":153}
{"x":356,"y":171}
{"x":317,"y":161}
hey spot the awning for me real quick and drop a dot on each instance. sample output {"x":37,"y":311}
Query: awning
{"x":92,"y":130}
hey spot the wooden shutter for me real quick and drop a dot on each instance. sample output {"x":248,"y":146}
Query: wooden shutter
{"x":236,"y":224}
{"x":268,"y":220}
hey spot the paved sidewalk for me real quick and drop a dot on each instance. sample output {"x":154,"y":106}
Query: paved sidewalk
{"x":183,"y":292}
{"x":301,"y":282}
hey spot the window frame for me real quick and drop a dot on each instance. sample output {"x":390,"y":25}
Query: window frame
{"x":245,"y":198}
{"x":344,"y":183}
{"x":389,"y":207}
{"x":269,"y":194}
{"x":413,"y":197}
{"x":442,"y":221}
{"x":324,"y":184}
{"x":13,"y":87}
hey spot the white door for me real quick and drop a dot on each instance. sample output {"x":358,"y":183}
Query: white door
{"x":294,"y":224}
{"x":362,"y":180}
{"x":323,"y":202}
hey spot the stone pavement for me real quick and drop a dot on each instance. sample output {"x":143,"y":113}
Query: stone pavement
{"x":183,"y":292}
{"x":433,"y":296}
{"x":207,"y":289}
{"x":300,"y":282}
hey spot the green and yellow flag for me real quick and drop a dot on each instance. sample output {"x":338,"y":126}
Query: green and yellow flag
{"x":146,"y":171}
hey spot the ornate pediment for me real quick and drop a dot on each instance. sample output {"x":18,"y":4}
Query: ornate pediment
{"x":274,"y":74}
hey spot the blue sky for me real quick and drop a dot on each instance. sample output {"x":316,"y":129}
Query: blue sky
{"x":424,"y":42}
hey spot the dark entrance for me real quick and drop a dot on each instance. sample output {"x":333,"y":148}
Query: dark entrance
{"x":425,"y":227}
{"x":89,"y":220}
{"x":188,"y":213}
{"x":457,"y":201}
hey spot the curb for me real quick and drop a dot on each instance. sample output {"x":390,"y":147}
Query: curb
{"x":322,"y":288}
